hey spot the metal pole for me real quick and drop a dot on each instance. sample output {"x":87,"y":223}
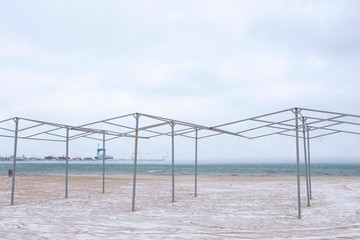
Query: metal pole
{"x":135,"y":159}
{"x":14,"y":160}
{"x":297,"y":162}
{"x":67,"y":163}
{"x":196,"y":160}
{"x":306,"y":164}
{"x":173,"y":161}
{"x":308,"y":143}
{"x":103,"y":170}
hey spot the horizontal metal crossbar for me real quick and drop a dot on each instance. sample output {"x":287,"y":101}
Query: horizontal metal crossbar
{"x":107,"y":120}
{"x":337,"y":121}
{"x":215,"y":129}
{"x":81,"y":135}
{"x":274,"y":133}
{"x":6,"y":129}
{"x":268,"y":125}
{"x":119,"y":125}
{"x":247,"y":119}
{"x":328,"y":112}
{"x":42,"y":139}
{"x":37,"y":125}
{"x":306,"y":116}
{"x":6,"y":120}
{"x":337,"y":130}
{"x":323,"y":135}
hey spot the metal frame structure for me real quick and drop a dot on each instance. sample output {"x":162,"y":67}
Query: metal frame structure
{"x":292,"y":122}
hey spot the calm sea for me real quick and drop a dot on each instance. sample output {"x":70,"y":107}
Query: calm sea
{"x":119,"y":168}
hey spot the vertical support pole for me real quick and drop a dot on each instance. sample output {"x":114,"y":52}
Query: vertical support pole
{"x":309,"y":166}
{"x":173,"y":161}
{"x":103,"y":166}
{"x":14,"y":160}
{"x":196,"y":159}
{"x":297,"y":161}
{"x":137,"y":116}
{"x":306,"y":164}
{"x":67,"y":163}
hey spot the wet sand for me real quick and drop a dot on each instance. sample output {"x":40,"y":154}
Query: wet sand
{"x":226,"y":208}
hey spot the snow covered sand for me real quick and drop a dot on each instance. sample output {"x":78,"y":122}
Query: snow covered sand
{"x":225,"y":208}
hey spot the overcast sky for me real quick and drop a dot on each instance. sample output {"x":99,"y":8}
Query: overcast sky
{"x":199,"y":61}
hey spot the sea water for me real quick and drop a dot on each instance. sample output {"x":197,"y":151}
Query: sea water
{"x":120,"y":168}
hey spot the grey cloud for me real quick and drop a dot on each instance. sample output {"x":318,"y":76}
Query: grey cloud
{"x":334,"y":34}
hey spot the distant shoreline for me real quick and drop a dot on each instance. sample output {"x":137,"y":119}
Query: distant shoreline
{"x":148,"y":168}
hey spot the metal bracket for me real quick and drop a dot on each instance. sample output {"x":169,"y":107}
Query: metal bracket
{"x":136,"y":115}
{"x":298,"y":110}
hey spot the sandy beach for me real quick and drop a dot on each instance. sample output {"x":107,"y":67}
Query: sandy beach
{"x":225,"y":208}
